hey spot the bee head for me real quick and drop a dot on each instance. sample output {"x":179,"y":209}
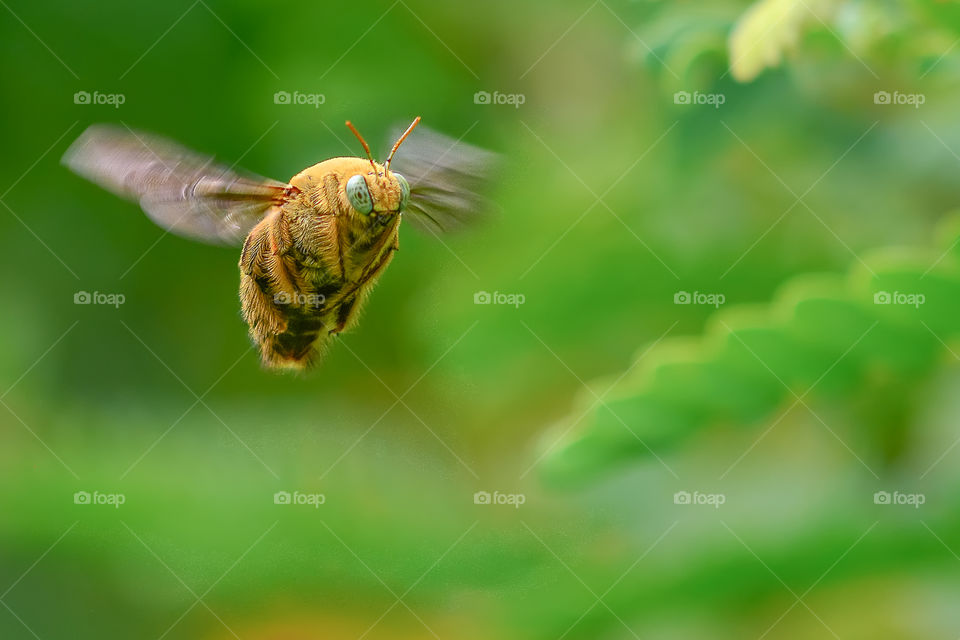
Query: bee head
{"x":377,"y":192}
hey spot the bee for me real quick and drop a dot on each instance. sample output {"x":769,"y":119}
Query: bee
{"x":312,"y":248}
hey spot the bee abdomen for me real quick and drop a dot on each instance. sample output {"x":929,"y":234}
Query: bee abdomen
{"x":299,"y":346}
{"x":293,"y":349}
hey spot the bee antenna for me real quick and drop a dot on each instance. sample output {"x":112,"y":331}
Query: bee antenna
{"x":366,"y":147}
{"x":386,"y":165}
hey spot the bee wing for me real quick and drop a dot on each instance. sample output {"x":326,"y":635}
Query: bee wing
{"x":448,"y":180}
{"x":181,"y":190}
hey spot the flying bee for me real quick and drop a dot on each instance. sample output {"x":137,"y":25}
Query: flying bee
{"x":314,"y":247}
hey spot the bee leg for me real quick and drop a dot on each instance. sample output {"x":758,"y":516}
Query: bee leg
{"x":348,"y":311}
{"x":258,"y":285}
{"x":347,"y":314}
{"x":271,"y":286}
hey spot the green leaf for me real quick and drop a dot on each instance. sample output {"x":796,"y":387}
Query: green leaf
{"x":768,"y":30}
{"x":825,"y":335}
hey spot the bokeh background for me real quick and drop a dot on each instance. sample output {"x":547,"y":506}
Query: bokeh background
{"x":726,"y":407}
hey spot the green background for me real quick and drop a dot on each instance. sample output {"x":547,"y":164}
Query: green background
{"x":798,"y":199}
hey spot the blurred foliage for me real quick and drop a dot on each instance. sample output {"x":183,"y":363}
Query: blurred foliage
{"x":878,"y":332}
{"x":614,"y":199}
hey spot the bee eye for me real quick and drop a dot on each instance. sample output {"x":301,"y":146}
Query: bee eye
{"x":359,"y":195}
{"x":404,"y":191}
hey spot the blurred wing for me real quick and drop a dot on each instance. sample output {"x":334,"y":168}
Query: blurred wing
{"x":181,"y":190}
{"x":448,"y":180}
